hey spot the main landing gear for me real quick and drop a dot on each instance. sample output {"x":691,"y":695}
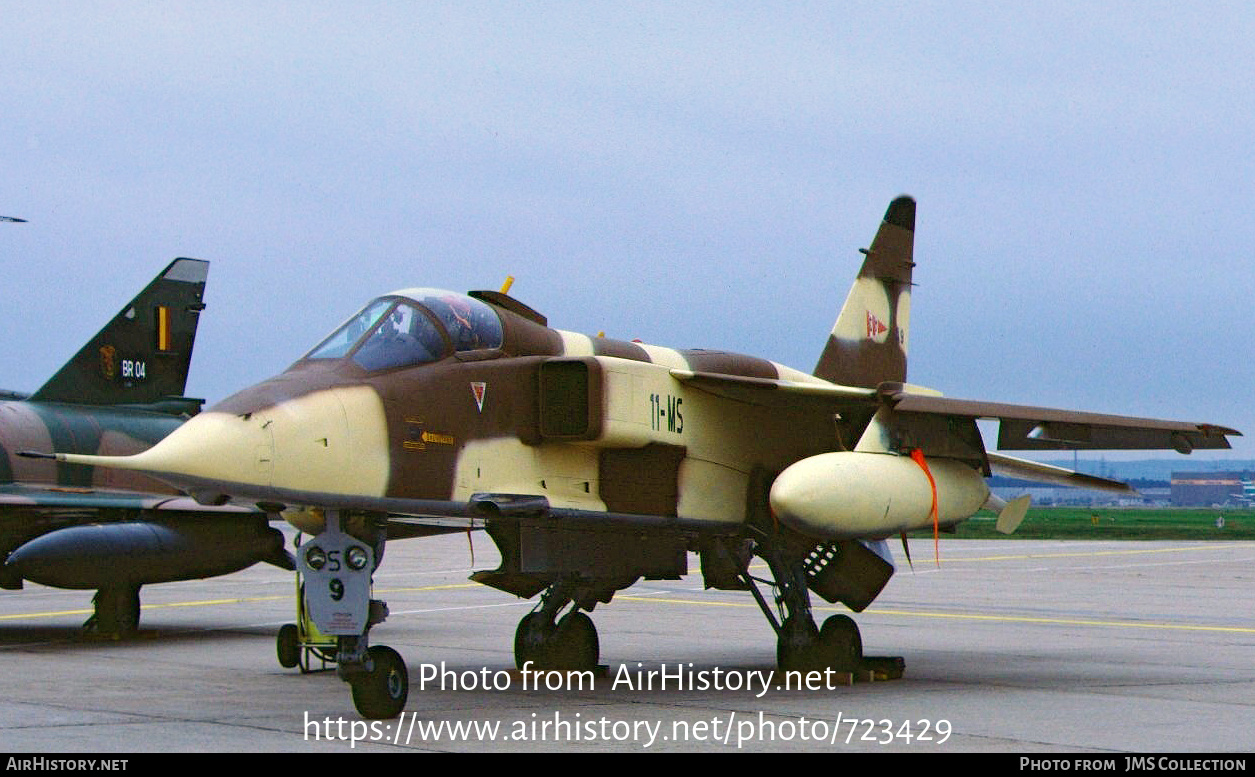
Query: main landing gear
{"x":800,"y":644}
{"x":117,"y":611}
{"x":568,"y":643}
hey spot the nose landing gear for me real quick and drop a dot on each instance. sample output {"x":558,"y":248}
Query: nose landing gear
{"x":337,"y":569}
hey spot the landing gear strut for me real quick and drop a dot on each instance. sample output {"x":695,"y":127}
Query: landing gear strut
{"x":569,"y":643}
{"x":337,"y":568}
{"x":800,"y":644}
{"x":117,"y":611}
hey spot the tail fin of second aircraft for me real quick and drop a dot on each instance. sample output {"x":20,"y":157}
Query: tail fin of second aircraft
{"x":867,"y":346}
{"x":142,"y":356}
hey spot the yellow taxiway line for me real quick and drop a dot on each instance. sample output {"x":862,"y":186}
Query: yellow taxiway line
{"x":712,"y":603}
{"x":968,"y":616}
{"x":1075,"y":554}
{"x":213,"y":602}
{"x":1093,"y":553}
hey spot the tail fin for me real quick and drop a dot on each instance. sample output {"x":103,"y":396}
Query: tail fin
{"x":868,"y":342}
{"x":142,"y":356}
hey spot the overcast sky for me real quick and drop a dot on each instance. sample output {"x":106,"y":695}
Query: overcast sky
{"x":691,"y":174}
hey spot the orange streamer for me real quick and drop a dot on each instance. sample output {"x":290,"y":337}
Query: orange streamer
{"x":917,"y":456}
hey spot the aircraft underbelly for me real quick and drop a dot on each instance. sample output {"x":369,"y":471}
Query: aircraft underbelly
{"x":566,"y":475}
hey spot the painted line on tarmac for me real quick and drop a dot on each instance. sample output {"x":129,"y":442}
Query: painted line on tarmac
{"x":215,"y":602}
{"x":1091,"y":553}
{"x":1064,"y":621}
{"x":976,"y":617}
{"x":157,"y":606}
{"x":519,"y":603}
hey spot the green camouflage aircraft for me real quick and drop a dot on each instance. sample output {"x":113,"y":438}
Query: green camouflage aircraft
{"x":594,"y":462}
{"x":76,"y":526}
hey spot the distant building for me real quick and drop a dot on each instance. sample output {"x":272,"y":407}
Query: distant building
{"x":1149,"y":494}
{"x":1203,"y":489}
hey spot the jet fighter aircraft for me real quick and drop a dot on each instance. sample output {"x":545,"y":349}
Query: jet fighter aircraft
{"x":594,"y":462}
{"x":74,"y":526}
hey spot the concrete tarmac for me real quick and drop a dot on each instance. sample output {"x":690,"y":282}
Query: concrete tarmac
{"x":1010,"y":646}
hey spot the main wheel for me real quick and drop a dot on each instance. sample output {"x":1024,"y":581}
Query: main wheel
{"x":381,"y":693}
{"x":841,"y":643}
{"x":288,"y":646}
{"x":795,"y":645}
{"x":532,"y":640}
{"x":575,"y":646}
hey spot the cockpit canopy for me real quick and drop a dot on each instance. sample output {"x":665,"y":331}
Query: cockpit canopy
{"x":412,"y":327}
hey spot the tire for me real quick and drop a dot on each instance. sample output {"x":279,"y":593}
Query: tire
{"x":531,"y":641}
{"x":841,"y":642}
{"x":288,"y":646}
{"x":575,"y":643}
{"x":382,"y":692}
{"x":795,"y":645}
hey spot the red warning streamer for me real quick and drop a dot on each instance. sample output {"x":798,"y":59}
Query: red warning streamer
{"x":917,"y":456}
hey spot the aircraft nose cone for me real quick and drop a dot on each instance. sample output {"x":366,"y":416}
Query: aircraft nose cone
{"x":213,"y":448}
{"x":329,"y":441}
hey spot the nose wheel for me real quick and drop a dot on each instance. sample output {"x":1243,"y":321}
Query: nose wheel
{"x":381,"y":691}
{"x":840,"y":643}
{"x":301,"y":643}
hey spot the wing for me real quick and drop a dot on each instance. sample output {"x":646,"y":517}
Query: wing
{"x":1021,"y":427}
{"x":776,"y":393}
{"x":1038,"y":428}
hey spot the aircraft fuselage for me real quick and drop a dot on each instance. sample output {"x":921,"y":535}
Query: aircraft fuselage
{"x":588,"y":423}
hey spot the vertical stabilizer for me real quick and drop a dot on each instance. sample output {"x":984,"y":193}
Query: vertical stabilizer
{"x":143,"y":354}
{"x":868,"y":343}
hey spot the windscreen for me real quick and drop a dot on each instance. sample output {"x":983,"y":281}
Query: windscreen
{"x":414,"y":327}
{"x":404,"y":337}
{"x":340,"y":341}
